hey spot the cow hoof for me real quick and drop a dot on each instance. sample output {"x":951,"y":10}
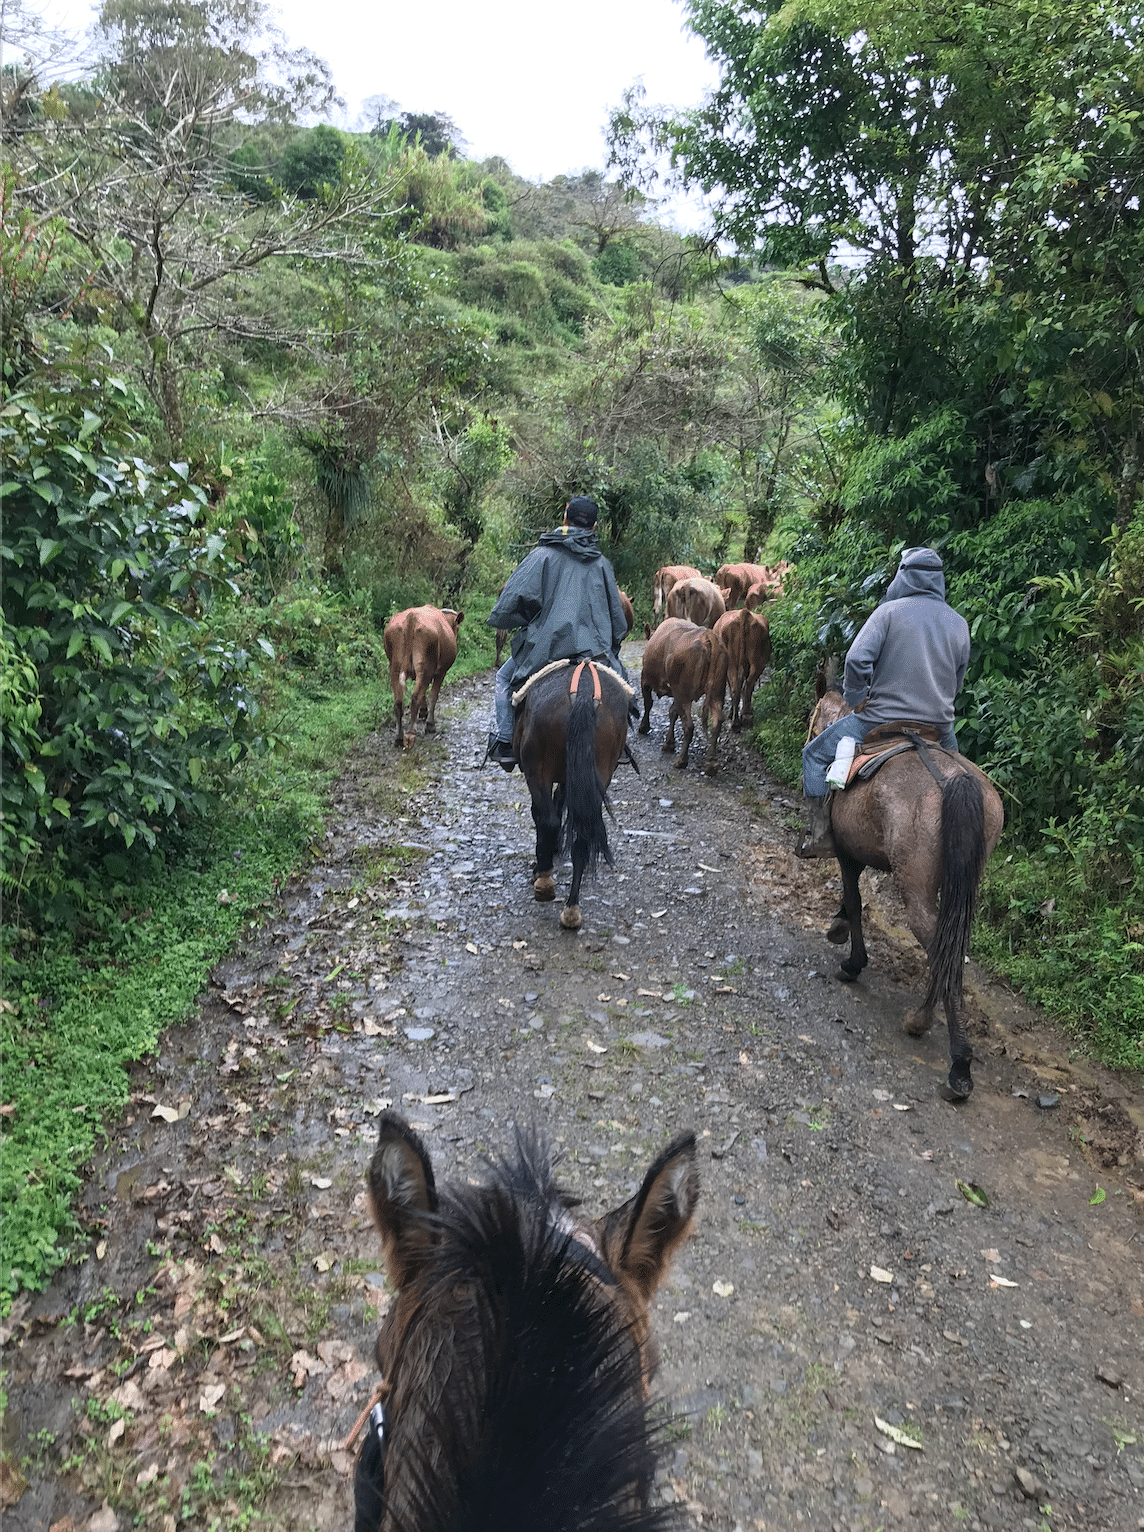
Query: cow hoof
{"x":838,"y":931}
{"x":409,"y":741}
{"x":681,"y":764}
{"x":570,"y":917}
{"x":644,"y":728}
{"x":544,"y":887}
{"x":431,"y":726}
{"x":711,"y":769}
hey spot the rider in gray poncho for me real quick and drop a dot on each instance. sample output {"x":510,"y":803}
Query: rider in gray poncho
{"x":906,"y":665}
{"x":564,"y":602}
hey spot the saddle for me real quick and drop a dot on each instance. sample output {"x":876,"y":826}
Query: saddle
{"x":886,"y":740}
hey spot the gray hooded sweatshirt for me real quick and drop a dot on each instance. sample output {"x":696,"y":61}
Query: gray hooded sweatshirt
{"x":564,"y":600}
{"x":909,"y":660}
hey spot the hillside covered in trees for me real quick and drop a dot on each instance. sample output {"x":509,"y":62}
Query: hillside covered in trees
{"x":266,"y":382}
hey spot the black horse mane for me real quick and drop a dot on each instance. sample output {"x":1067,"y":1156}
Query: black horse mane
{"x":543,"y":1425}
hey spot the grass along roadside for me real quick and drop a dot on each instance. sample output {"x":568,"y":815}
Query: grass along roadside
{"x":75,"y":1015}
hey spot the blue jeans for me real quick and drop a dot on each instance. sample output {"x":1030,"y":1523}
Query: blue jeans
{"x":819,"y":752}
{"x":502,"y":698}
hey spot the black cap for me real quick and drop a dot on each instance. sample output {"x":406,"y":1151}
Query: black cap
{"x":582,"y":512}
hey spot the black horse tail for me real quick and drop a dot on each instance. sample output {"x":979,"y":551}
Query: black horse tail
{"x":584,"y":792}
{"x":962,"y":863}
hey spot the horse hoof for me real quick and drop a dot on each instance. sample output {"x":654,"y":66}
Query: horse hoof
{"x":644,"y":728}
{"x":570,"y":917}
{"x":710,"y":771}
{"x":849,"y":975}
{"x":545,"y":888}
{"x":838,"y":931}
{"x":915,"y":1024}
{"x":951,"y":1092}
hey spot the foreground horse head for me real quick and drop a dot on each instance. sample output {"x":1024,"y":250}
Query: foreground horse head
{"x":569,"y":743}
{"x":932,"y":821}
{"x":516,"y":1353}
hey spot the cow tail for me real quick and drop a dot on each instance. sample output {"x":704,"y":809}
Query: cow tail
{"x":584,"y":792}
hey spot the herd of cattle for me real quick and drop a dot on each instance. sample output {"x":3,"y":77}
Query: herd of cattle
{"x":709,"y":640}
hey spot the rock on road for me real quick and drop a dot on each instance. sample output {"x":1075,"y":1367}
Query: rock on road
{"x":841,"y":1299}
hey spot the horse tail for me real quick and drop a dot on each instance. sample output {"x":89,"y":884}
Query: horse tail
{"x":584,"y":792}
{"x":962,"y":863}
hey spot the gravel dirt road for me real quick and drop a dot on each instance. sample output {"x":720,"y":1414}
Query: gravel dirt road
{"x":848,"y":1343}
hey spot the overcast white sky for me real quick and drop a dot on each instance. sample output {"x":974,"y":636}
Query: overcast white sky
{"x":527,"y":81}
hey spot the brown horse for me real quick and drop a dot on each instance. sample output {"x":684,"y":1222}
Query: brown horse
{"x":570,"y":734}
{"x":516,"y":1354}
{"x":931,"y":819}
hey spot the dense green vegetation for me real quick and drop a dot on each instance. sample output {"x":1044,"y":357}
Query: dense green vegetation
{"x":265,"y":384}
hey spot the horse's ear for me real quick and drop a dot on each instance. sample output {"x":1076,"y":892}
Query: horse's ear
{"x":658,"y":1218}
{"x":402,"y":1192}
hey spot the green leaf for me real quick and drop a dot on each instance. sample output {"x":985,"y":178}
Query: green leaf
{"x":62,"y":806}
{"x":1097,"y":1197}
{"x":101,"y":646}
{"x":75,"y":644}
{"x":973,"y":1193}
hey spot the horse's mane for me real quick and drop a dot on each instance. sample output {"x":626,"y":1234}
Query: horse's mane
{"x":543,"y":1425}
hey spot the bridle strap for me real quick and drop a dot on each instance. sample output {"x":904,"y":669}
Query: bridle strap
{"x":597,"y":690}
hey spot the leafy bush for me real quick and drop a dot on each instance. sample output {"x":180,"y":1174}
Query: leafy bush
{"x":108,"y":562}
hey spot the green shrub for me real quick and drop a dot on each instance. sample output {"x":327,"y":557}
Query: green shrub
{"x":108,"y":566}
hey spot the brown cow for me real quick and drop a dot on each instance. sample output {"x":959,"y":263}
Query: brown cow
{"x":629,"y":610}
{"x":665,"y":578}
{"x":685,"y":662}
{"x":747,"y":640}
{"x":696,"y":600}
{"x":421,"y":644}
{"x":769,"y":587}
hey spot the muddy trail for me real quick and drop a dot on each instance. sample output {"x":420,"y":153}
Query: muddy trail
{"x":847,"y":1342}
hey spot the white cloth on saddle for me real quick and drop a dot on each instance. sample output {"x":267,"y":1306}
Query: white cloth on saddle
{"x":617,"y":680}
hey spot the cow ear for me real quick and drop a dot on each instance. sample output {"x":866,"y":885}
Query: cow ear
{"x":658,"y":1218}
{"x":402,"y":1195}
{"x":458,"y":619}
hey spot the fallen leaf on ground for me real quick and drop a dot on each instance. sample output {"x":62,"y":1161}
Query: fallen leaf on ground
{"x":1097,"y":1197}
{"x":972,"y":1193}
{"x":722,"y":1289}
{"x":211,"y":1397}
{"x":1001,"y":1281}
{"x":896,"y":1434}
{"x":594,"y":1047}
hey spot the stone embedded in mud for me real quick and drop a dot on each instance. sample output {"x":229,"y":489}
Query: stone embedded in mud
{"x":420,"y":1034}
{"x":1047,"y":1100}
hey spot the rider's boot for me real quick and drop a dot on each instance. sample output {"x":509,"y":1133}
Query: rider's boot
{"x":819,"y":838}
{"x":501,"y":751}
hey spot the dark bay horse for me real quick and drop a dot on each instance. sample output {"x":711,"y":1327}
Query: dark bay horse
{"x":516,"y":1354}
{"x":568,"y":743}
{"x":933,"y":830}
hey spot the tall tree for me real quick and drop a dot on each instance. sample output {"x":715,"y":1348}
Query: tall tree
{"x":138,"y":165}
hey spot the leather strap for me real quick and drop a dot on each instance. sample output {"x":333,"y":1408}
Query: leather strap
{"x":597,"y":691}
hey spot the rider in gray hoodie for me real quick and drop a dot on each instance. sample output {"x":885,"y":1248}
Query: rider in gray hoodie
{"x":565,"y":604}
{"x":906,"y":665}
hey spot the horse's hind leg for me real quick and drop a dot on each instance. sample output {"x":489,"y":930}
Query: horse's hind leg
{"x":852,"y":908}
{"x":570,"y":914}
{"x":546,"y":818}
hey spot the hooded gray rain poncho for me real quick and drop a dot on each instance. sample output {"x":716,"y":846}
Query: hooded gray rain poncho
{"x":564,"y":601}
